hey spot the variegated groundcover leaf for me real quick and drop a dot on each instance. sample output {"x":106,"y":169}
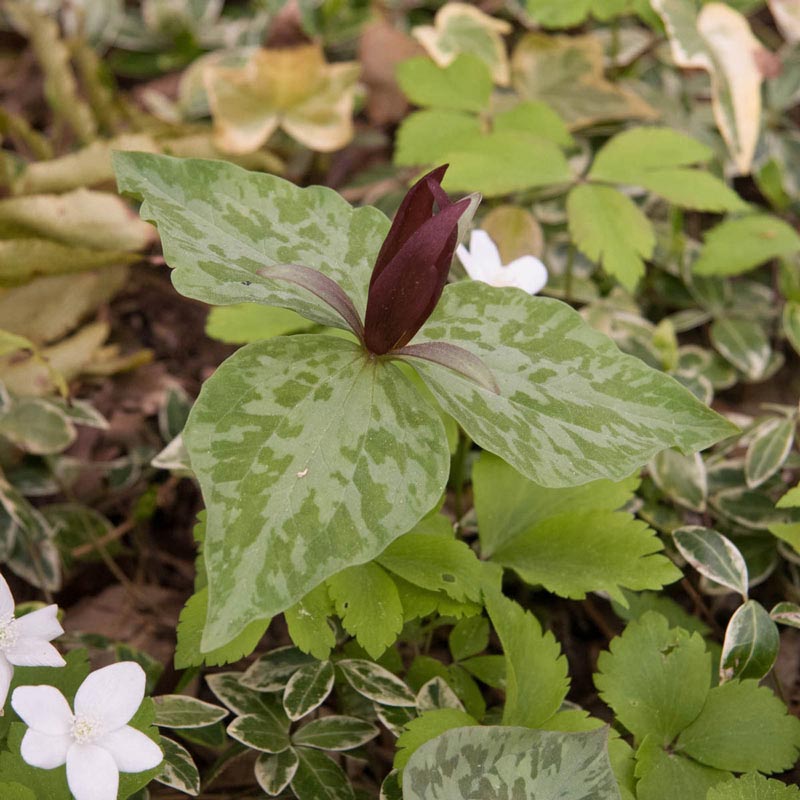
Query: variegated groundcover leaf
{"x":493,"y":763}
{"x":312,"y":454}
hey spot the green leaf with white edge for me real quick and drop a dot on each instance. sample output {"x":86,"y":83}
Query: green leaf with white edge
{"x":437,"y":563}
{"x":768,"y":450}
{"x":554,"y":423}
{"x":269,"y":672}
{"x":368,"y":603}
{"x":547,"y":764}
{"x":259,"y":732}
{"x":469,"y":637}
{"x":376,"y":682}
{"x":181,"y":711}
{"x":786,"y":613}
{"x":242,"y":700}
{"x":738,"y":245}
{"x":308,"y":689}
{"x":502,"y":162}
{"x":507,"y":503}
{"x":611,"y":230}
{"x":425,"y":727}
{"x":335,"y":733}
{"x":751,"y":643}
{"x":743,"y":727}
{"x":250,"y":322}
{"x":665,"y":775}
{"x":220,"y":224}
{"x":37,"y":427}
{"x":536,"y":117}
{"x":655,"y":678}
{"x":744,"y":343}
{"x":587,"y":551}
{"x":463,"y":85}
{"x":307,"y":621}
{"x":753,"y":787}
{"x":790,"y":321}
{"x":681,"y":477}
{"x":536,"y":670}
{"x":178,"y":770}
{"x":302,"y":447}
{"x":425,"y":137}
{"x":318,"y":777}
{"x":436,"y":693}
{"x":274,"y":771}
{"x":713,"y":555}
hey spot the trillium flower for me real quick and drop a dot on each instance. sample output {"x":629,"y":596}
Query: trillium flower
{"x":25,"y":642}
{"x":95,"y":742}
{"x":483,"y":263}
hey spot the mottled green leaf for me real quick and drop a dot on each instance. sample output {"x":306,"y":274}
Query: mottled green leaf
{"x":743,"y":727}
{"x":656,"y":679}
{"x":567,"y":412}
{"x":302,"y":446}
{"x":753,"y":787}
{"x":178,"y":770}
{"x":464,"y":85}
{"x":682,"y":478}
{"x":308,"y":688}
{"x":744,"y":343}
{"x":274,"y":771}
{"x":477,"y":762}
{"x":219,"y":224}
{"x":376,"y":682}
{"x":751,"y":643}
{"x":182,"y":711}
{"x":318,"y":777}
{"x":335,"y":733}
{"x":713,"y":555}
{"x":768,"y":450}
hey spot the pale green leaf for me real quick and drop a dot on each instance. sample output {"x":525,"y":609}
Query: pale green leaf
{"x":178,"y":769}
{"x":682,"y":478}
{"x":307,"y":621}
{"x":249,"y":322}
{"x":791,"y":499}
{"x":464,"y":85}
{"x":713,"y":555}
{"x":753,"y":787}
{"x":768,"y":450}
{"x":426,"y":137}
{"x":274,"y":771}
{"x":546,"y":764}
{"x":308,"y":688}
{"x":318,"y":777}
{"x":469,"y":637}
{"x":558,"y":425}
{"x":574,"y":553}
{"x":376,"y":682}
{"x":558,"y":13}
{"x":182,"y":711}
{"x":743,"y":727}
{"x":302,"y":447}
{"x":738,"y":245}
{"x":655,"y":679}
{"x":744,"y":343}
{"x":534,"y":117}
{"x":751,"y":643}
{"x":611,"y":230}
{"x":536,"y":671}
{"x":335,"y":733}
{"x":428,"y":726}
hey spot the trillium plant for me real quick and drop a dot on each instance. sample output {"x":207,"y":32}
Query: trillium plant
{"x":316,"y":451}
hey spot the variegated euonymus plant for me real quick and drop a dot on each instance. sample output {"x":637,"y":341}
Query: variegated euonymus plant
{"x":314,"y":451}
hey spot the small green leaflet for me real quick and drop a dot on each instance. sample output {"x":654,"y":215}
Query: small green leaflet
{"x":714,"y":556}
{"x":546,"y":764}
{"x":463,"y":85}
{"x":753,"y":787}
{"x":751,"y":643}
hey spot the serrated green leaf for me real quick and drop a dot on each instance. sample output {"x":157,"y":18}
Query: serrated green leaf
{"x":178,"y":770}
{"x":249,"y":322}
{"x":425,"y":137}
{"x":575,"y":553}
{"x":656,"y":679}
{"x":737,"y":245}
{"x":743,"y":727}
{"x":753,"y":787}
{"x":318,"y":777}
{"x":610,"y":230}
{"x":274,"y":771}
{"x":536,"y":670}
{"x":768,"y":450}
{"x":713,"y":555}
{"x":682,"y":478}
{"x":537,"y":118}
{"x":639,"y":603}
{"x":368,"y":604}
{"x":469,"y":637}
{"x":307,"y":621}
{"x":557,"y":425}
{"x":376,"y":682}
{"x":692,"y":188}
{"x":550,"y":764}
{"x":751,"y":643}
{"x":308,"y":688}
{"x":744,"y":343}
{"x":463,"y":85}
{"x":181,"y":711}
{"x":425,"y":727}
{"x":219,"y":224}
{"x":307,"y":493}
{"x":335,"y":733}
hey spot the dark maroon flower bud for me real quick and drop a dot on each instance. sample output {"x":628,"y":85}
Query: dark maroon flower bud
{"x":412,"y":266}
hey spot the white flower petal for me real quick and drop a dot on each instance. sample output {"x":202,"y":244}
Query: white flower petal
{"x":91,"y":772}
{"x":6,"y":599}
{"x":484,"y":250}
{"x":527,"y":273}
{"x":131,"y":749}
{"x":466,"y":259}
{"x":34,"y":653}
{"x":40,"y":624}
{"x":6,"y":674}
{"x":42,"y":708}
{"x":43,"y":751}
{"x":112,"y":694}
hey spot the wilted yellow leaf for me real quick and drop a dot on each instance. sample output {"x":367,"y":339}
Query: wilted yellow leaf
{"x":462,"y":28}
{"x":566,"y":72}
{"x":292,"y":88}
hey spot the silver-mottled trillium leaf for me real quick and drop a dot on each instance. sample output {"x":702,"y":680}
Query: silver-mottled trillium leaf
{"x":572,"y":408}
{"x":219,"y":224}
{"x":311,"y":457}
{"x":491,"y":763}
